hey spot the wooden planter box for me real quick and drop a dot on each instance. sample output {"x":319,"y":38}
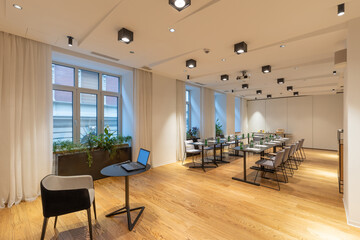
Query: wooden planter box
{"x":68,"y":164}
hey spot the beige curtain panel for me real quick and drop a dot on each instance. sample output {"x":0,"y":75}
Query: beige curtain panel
{"x":180,"y":120}
{"x":25,"y":118}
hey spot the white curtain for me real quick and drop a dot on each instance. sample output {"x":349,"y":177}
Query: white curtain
{"x":180,"y":120}
{"x":142,"y":111}
{"x":207,"y":113}
{"x":25,"y":118}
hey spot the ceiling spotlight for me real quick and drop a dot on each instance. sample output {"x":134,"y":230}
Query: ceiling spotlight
{"x":258,"y":92}
{"x":266,"y":69}
{"x":282,"y":45}
{"x":132,"y":52}
{"x":223,"y":60}
{"x":70,"y":41}
{"x":172,"y":29}
{"x":191,"y":63}
{"x":280,"y":80}
{"x":188,"y":77}
{"x":17,"y":6}
{"x":125,"y":36}
{"x":232,"y":90}
{"x":243,"y":76}
{"x":224,"y":77}
{"x":334,"y":73}
{"x":289,"y":88}
{"x":180,"y":4}
{"x":333,"y":90}
{"x":341,"y":9}
{"x":245,"y":86}
{"x":240,"y":48}
{"x":296,"y":93}
{"x":268,"y":96}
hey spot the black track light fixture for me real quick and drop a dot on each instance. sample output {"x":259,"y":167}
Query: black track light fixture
{"x":341,"y":9}
{"x":289,"y":88}
{"x":258,"y":92}
{"x":188,"y":77}
{"x":125,"y":36}
{"x":70,"y":40}
{"x":240,"y":48}
{"x":266,"y":69}
{"x":180,"y":4}
{"x":268,"y":96}
{"x":296,"y":93}
{"x":245,"y":86}
{"x":191,"y":63}
{"x":224,"y":77}
{"x":280,"y":80}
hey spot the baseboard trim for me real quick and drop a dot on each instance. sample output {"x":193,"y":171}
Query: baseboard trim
{"x":332,"y":150}
{"x":350,"y":222}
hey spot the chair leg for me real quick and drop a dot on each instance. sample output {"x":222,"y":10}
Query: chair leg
{"x":277,"y":179}
{"x":44,"y":228}
{"x":94,"y":206}
{"x":89,"y":220}
{"x":55,"y":221}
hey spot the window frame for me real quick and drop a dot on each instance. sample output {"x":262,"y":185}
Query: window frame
{"x":76,"y":90}
{"x":189,"y":106}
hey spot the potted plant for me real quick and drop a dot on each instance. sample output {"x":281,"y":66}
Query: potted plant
{"x":218,"y":128}
{"x":92,"y":154}
{"x":192,"y":134}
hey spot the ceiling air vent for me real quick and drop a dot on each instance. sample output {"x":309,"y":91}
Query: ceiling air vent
{"x":104,"y":56}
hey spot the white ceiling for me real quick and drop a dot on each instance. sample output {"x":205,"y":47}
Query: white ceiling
{"x":311,"y":31}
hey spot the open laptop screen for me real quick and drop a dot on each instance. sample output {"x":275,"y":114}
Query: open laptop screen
{"x":143,"y":157}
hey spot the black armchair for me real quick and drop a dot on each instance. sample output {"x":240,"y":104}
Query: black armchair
{"x":66,"y":194}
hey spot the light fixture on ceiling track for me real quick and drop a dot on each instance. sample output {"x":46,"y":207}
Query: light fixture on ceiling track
{"x":296,"y":93}
{"x":243,"y":76}
{"x":70,"y":40}
{"x":17,"y":6}
{"x":245,"y":86}
{"x":258,"y":92}
{"x":224,"y":77}
{"x":280,"y":80}
{"x":172,"y":30}
{"x":188,"y":77}
{"x":289,"y":88}
{"x":266,"y":69}
{"x":268,"y":96}
{"x":334,"y":73}
{"x":125,"y":36}
{"x":240,"y":48}
{"x":341,"y":9}
{"x":180,"y":4}
{"x":191,"y":63}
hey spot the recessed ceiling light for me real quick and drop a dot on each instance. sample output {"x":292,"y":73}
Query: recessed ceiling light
{"x":17,"y":6}
{"x":180,"y":4}
{"x":341,"y":9}
{"x":282,"y":46}
{"x":70,"y":41}
{"x":334,"y":73}
{"x":191,"y":63}
{"x":125,"y":36}
{"x":132,"y":52}
{"x":224,"y":77}
{"x":289,"y":88}
{"x":245,"y":86}
{"x":280,"y":80}
{"x":296,"y":93}
{"x":240,"y":48}
{"x":266,"y":69}
{"x":172,"y":29}
{"x":223,"y":59}
{"x":258,"y":92}
{"x":268,"y":96}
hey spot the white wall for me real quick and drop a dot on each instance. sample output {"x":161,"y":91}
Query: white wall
{"x":163,"y":121}
{"x":315,"y":118}
{"x":230,"y":114}
{"x":352,"y":125}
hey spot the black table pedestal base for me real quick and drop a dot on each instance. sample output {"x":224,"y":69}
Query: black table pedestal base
{"x":245,"y":181}
{"x":127,"y":210}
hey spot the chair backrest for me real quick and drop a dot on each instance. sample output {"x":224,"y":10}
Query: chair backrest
{"x":279,"y":158}
{"x":286,"y":154}
{"x":292,"y":150}
{"x":188,"y":145}
{"x":302,"y":142}
{"x":297,"y":146}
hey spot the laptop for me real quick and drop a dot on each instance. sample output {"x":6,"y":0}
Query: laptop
{"x":141,"y":161}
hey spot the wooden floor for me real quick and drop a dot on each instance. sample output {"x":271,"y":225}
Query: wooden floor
{"x":184,"y":203}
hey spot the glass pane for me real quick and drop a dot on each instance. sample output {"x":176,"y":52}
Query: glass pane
{"x":111,"y":114}
{"x":187,"y":118}
{"x":110,"y":83}
{"x":88,"y":79}
{"x":187,"y":96}
{"x":88,"y":115}
{"x":62,"y":115}
{"x":63,"y":75}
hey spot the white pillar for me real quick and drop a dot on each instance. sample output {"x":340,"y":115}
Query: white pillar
{"x":352,"y":125}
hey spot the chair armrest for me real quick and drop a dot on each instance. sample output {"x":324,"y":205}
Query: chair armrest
{"x":69,"y":182}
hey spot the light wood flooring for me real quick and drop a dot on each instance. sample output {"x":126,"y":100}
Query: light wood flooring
{"x":183,"y":203}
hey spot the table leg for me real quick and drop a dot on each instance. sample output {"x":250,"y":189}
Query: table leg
{"x":244,"y":179}
{"x":202,"y":161}
{"x":127,"y":208}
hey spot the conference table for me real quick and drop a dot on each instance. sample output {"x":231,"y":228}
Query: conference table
{"x":257,"y":149}
{"x":202,"y":146}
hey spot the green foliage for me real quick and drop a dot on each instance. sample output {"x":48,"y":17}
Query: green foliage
{"x":90,"y":142}
{"x":192,"y":133}
{"x":218,"y":128}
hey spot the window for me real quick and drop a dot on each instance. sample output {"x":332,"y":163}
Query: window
{"x":84,"y":102}
{"x":188,"y":110}
{"x":237,"y":114}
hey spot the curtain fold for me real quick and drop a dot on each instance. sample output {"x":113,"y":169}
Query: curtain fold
{"x":142,"y":112}
{"x":25,"y":118}
{"x":207,"y":113}
{"x":180,"y":120}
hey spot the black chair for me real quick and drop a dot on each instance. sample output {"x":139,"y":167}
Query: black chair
{"x":66,"y":194}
